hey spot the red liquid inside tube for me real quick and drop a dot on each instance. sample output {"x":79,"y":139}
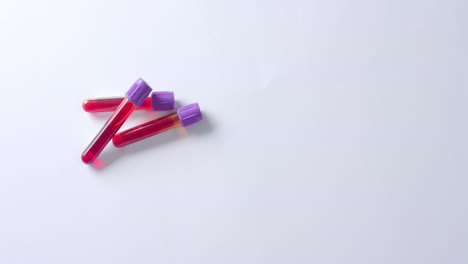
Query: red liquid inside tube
{"x":145,"y":130}
{"x":108,"y":104}
{"x":111,"y":127}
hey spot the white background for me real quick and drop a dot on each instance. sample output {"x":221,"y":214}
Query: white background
{"x":334,"y":132}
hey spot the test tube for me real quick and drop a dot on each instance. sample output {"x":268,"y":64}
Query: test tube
{"x":158,"y":101}
{"x":133,"y":98}
{"x":185,"y":116}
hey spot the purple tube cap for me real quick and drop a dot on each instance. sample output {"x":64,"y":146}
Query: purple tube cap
{"x":189,"y":114}
{"x":162,"y":101}
{"x":138,"y":92}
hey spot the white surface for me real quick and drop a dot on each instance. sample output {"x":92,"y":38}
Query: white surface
{"x":335,"y":132}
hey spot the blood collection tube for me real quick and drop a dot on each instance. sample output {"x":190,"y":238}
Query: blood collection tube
{"x":133,"y":98}
{"x":158,"y":101}
{"x":184,"y":116}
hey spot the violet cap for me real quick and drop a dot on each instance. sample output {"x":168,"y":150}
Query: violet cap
{"x":138,"y":92}
{"x":162,"y":101}
{"x":189,"y":114}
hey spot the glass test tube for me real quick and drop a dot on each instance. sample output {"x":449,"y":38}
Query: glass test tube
{"x":158,"y":101}
{"x":184,"y":116}
{"x":134,"y":97}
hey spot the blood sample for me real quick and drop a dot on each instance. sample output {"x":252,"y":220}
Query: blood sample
{"x":184,"y":116}
{"x":133,"y":98}
{"x":158,"y":101}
